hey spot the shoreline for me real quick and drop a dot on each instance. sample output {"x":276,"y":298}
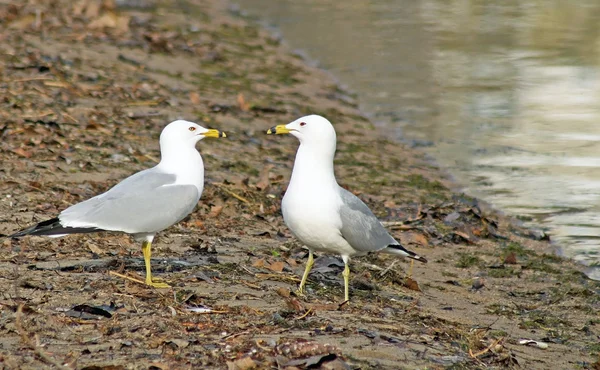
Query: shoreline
{"x":84,"y":106}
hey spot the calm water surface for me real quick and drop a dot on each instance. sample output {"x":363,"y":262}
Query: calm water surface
{"x":505,"y":95}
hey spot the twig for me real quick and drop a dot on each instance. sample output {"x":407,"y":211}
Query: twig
{"x":132,"y":115}
{"x":277,"y":277}
{"x":43,"y":114}
{"x":27,"y":79}
{"x":67,"y":115}
{"x":483,"y":351}
{"x":126,"y":277}
{"x":234,"y":335}
{"x":143,"y":103}
{"x":382,"y":273}
{"x":239,"y":197}
{"x":36,"y":347}
{"x":305,"y":314}
{"x":151,"y":158}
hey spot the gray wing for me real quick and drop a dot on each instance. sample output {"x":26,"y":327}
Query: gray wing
{"x":360,"y":227}
{"x":139,"y":204}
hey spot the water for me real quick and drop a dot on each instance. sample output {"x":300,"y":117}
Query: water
{"x":505,"y":95}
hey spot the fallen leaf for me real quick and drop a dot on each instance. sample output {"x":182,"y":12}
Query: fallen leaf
{"x":108,"y":20}
{"x":23,"y":153}
{"x":463,"y":236}
{"x":389,"y":204}
{"x":78,"y":8}
{"x":215,"y":211}
{"x":195,"y":98}
{"x":295,"y":304}
{"x":23,"y":22}
{"x":285,"y":293}
{"x":94,"y":248}
{"x":92,"y":9}
{"x":411,"y":284}
{"x":259,"y":263}
{"x":180,"y":343}
{"x":417,"y":238}
{"x":244,"y":363}
{"x":263,"y":179}
{"x":242,"y":103}
{"x":276,"y":266}
{"x":510,"y":259}
{"x":104,"y":367}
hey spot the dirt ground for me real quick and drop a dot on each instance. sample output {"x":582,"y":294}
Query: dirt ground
{"x":86,"y":87}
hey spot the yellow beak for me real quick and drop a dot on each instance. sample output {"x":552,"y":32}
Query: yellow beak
{"x":279,"y":129}
{"x":214,"y":133}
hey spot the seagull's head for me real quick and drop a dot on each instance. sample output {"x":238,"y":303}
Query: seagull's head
{"x":310,"y":130}
{"x":182,"y":132}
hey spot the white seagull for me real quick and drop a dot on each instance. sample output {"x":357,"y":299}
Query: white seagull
{"x":320,"y":213}
{"x":146,"y":202}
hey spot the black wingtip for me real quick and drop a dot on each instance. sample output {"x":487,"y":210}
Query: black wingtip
{"x":37,"y":229}
{"x":411,"y":255}
{"x":51,"y":227}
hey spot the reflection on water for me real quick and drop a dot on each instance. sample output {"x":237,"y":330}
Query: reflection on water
{"x":507,"y":93}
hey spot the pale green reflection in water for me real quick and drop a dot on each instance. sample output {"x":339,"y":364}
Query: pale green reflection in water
{"x":507,"y":93}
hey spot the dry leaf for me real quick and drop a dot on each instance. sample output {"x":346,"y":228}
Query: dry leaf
{"x":23,"y":22}
{"x":215,"y":211}
{"x":510,"y":259}
{"x":276,"y":266}
{"x":94,"y":248}
{"x":292,"y":262}
{"x":108,"y":20}
{"x":122,"y":24}
{"x":92,"y":9}
{"x":285,"y":293}
{"x":411,"y":284}
{"x":295,"y":304}
{"x":22,"y":152}
{"x":195,"y":98}
{"x":259,"y":263}
{"x":263,"y":179}
{"x":109,"y":5}
{"x":463,"y":236}
{"x":242,"y":103}
{"x":79,"y":7}
{"x":417,"y":238}
{"x":245,"y":363}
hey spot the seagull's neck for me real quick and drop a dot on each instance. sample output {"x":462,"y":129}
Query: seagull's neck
{"x":313,"y":166}
{"x":185,"y":163}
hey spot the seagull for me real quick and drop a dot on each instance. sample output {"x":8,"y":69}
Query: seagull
{"x":321,"y":214}
{"x":146,"y":202}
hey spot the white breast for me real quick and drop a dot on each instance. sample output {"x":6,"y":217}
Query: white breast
{"x":312,"y":215}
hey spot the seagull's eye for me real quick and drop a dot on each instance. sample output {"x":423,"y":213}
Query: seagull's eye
{"x":192,"y":128}
{"x":302,"y":123}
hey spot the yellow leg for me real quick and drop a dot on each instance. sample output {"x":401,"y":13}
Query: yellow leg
{"x":346,"y":275}
{"x":147,"y":253}
{"x":309,"y":265}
